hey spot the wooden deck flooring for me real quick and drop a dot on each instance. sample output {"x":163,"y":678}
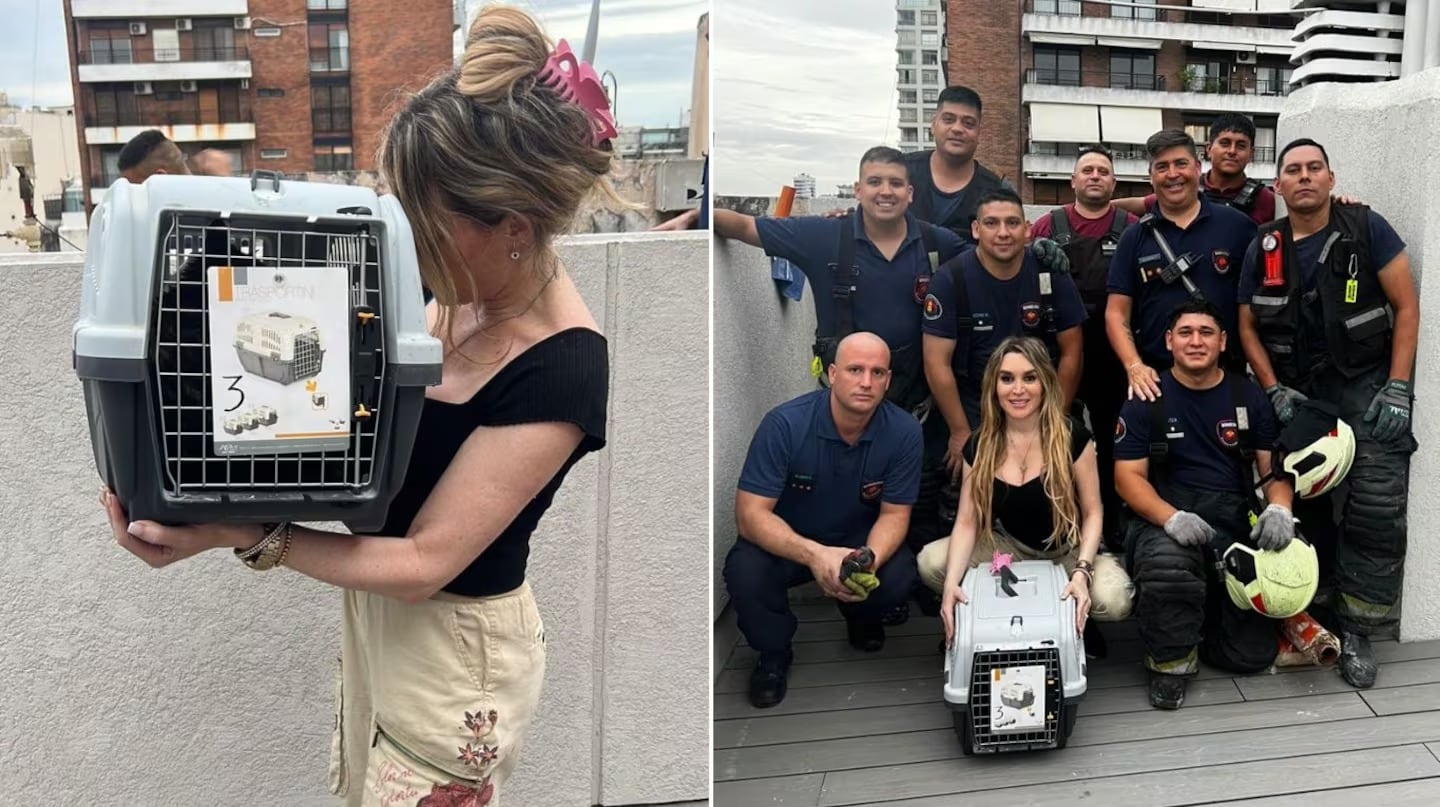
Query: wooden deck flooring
{"x":871,"y":729}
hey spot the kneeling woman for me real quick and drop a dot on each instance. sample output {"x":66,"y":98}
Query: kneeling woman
{"x":1043,"y":500}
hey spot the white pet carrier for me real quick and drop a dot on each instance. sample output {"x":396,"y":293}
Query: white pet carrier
{"x":252,"y":349}
{"x":1016,"y":672}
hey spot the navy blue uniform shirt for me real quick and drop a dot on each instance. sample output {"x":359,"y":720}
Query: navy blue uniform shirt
{"x":846,"y":484}
{"x":885,"y":301}
{"x":1000,"y":308}
{"x":1219,"y":235}
{"x":1202,"y":432}
{"x":1385,"y":244}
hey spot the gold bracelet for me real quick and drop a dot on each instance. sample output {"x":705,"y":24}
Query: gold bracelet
{"x":270,"y":556}
{"x":271,"y":533}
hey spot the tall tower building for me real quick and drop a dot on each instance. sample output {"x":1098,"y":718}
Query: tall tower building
{"x":920,"y":66}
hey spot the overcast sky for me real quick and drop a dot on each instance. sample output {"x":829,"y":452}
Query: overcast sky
{"x":648,"y":44}
{"x":800,"y":86}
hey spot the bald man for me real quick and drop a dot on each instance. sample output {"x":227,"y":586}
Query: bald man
{"x":827,"y":473}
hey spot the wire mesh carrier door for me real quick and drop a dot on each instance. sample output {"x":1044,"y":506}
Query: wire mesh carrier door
{"x":1016,"y":673}
{"x":252,"y":349}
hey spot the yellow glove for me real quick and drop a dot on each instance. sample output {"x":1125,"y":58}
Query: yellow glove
{"x":862,"y":583}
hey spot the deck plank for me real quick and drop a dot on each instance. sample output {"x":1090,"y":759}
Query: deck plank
{"x":1322,"y":681}
{"x":792,"y":791}
{"x":1414,"y":793}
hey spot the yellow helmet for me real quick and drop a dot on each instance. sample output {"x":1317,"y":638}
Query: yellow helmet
{"x":1277,"y":583}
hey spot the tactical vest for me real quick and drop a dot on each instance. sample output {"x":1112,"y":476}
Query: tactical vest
{"x":963,"y":214}
{"x":1244,"y":201}
{"x":1043,"y":329}
{"x":907,"y":368}
{"x":1347,"y":303}
{"x":1089,"y":257}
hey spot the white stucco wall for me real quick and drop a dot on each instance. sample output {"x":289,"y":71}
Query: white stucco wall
{"x":1377,"y":137}
{"x":208,"y":683}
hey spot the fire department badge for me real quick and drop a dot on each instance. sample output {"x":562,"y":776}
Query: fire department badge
{"x":932,"y":307}
{"x":922,"y":288}
{"x":1229,"y":433}
{"x":1030,"y":314}
{"x":870,"y":491}
{"x":1119,"y":429}
{"x":1220,"y":258}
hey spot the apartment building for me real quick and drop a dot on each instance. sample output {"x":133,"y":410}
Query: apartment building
{"x":920,"y":67}
{"x":285,"y":85}
{"x":1057,"y":74}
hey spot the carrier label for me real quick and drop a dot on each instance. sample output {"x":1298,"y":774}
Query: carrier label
{"x":1017,"y":698}
{"x":279,"y":359}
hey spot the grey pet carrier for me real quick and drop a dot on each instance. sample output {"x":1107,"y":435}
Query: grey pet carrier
{"x":305,"y":406}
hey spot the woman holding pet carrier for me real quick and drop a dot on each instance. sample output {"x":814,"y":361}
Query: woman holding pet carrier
{"x":1031,"y":489}
{"x":443,"y":650}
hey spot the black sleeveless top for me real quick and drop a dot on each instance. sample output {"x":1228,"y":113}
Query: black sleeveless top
{"x":1025,"y":511}
{"x":563,"y":378}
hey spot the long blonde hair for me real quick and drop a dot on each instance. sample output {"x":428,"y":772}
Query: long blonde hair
{"x":990,"y":446}
{"x":488,"y":140}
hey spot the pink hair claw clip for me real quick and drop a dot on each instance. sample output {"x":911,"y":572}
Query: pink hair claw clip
{"x":578,"y":83}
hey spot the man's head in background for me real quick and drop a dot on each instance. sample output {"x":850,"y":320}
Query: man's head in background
{"x":213,"y":162}
{"x":149,"y":153}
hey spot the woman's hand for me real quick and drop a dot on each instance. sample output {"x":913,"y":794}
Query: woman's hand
{"x":160,"y":546}
{"x":953,"y":594}
{"x":1079,"y":588}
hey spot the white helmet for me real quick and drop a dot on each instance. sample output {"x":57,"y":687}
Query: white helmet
{"x":1318,"y":467}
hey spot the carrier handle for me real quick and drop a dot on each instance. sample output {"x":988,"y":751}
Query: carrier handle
{"x":265,"y":173}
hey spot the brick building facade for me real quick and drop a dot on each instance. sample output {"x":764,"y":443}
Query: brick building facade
{"x":285,"y":85}
{"x":1057,"y":74}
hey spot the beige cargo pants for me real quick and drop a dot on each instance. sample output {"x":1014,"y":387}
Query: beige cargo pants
{"x":434,"y":698}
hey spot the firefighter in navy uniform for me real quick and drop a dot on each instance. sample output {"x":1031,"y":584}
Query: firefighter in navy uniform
{"x":1089,"y":230}
{"x":1317,"y":295}
{"x":827,"y":473}
{"x":1185,"y":247}
{"x":1185,"y":464}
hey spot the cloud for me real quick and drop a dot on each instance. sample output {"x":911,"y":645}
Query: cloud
{"x":34,"y":61}
{"x":800,"y":87}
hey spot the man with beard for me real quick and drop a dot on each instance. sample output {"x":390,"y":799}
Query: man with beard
{"x":1089,"y":230}
{"x":828,"y":473}
{"x":1318,"y":292}
{"x":948,"y":180}
{"x":1183,"y":463}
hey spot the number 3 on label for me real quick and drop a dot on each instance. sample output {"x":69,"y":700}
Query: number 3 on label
{"x":235,"y":387}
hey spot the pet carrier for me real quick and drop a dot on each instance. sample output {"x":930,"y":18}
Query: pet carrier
{"x":252,"y":349}
{"x":1016,"y":672}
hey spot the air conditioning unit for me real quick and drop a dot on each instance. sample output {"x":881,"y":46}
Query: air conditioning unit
{"x":187,"y":86}
{"x":137,"y":29}
{"x":1245,"y":58}
{"x":242,"y":23}
{"x":244,"y":83}
{"x":144,"y":88}
{"x":183,"y":24}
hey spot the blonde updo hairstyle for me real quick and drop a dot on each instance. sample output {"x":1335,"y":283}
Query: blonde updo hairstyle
{"x":488,"y":140}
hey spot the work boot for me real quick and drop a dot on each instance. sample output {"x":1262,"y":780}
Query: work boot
{"x":1095,"y":646}
{"x":1357,"y":660}
{"x":898,"y":615}
{"x":1166,"y":691}
{"x":768,"y":680}
{"x":867,"y":636}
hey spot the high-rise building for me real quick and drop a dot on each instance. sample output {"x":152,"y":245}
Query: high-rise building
{"x":1115,"y":73}
{"x":920,"y":66}
{"x":804,"y":186}
{"x":285,"y":85}
{"x":1360,"y":40}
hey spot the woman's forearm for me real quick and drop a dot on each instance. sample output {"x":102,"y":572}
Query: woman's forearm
{"x":392,"y":567}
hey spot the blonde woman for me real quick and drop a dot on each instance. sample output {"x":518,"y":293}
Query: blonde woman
{"x":443,"y":650}
{"x":1042,"y":500}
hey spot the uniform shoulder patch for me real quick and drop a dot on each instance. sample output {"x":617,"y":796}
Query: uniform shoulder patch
{"x":1228,"y":431}
{"x":871,"y":491}
{"x":1220,"y":258}
{"x":933,"y":310}
{"x":1120,"y":429}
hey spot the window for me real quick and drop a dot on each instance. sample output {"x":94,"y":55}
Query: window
{"x":907,"y":96}
{"x":326,"y":5}
{"x":109,"y":166}
{"x":929,"y":18}
{"x":905,"y":17}
{"x":1273,"y":80}
{"x":907,"y":116}
{"x":114,"y":105}
{"x":215,"y":41}
{"x":930,"y":76}
{"x":930,"y":39}
{"x":1199,"y":132}
{"x":329,"y":47}
{"x":270,"y":92}
{"x":333,"y":157}
{"x":909,"y":135}
{"x":907,"y":76}
{"x":1133,"y":71}
{"x":1057,"y":66}
{"x":905,"y":37}
{"x":929,"y":57}
{"x":1132,"y":13}
{"x":1264,"y":145}
{"x":274,"y":154}
{"x":330,"y":108}
{"x":107,"y":50}
{"x":930,"y":96}
{"x":907,"y":57}
{"x":1051,"y":193}
{"x":1067,"y":8}
{"x":1208,"y":76}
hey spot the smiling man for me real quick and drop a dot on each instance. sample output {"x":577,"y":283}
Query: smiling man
{"x":995,"y":291}
{"x":827,"y":473}
{"x":1329,"y":311}
{"x":1207,"y":240}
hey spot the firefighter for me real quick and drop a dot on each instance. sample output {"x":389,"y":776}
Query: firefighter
{"x":827,"y":473}
{"x":1329,"y":311}
{"x":1184,"y":464}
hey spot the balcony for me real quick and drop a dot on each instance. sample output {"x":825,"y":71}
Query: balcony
{"x":230,"y":121}
{"x":1057,"y":161}
{"x":126,"y":9}
{"x":1107,"y":88}
{"x":1151,"y":29}
{"x":164,"y":64}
